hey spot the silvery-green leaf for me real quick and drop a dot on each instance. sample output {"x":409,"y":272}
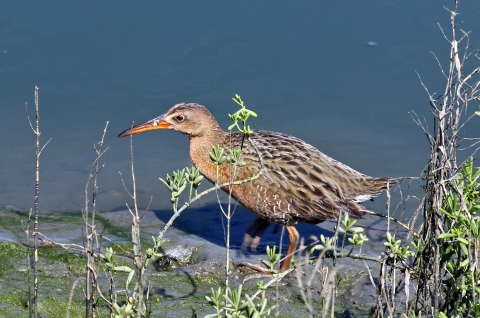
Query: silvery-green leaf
{"x":124,"y":269}
{"x":182,"y":188}
{"x":355,"y":230}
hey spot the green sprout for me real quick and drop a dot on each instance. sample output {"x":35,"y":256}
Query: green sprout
{"x":273,"y":259}
{"x":175,"y":184}
{"x":194,"y":178}
{"x":241,"y":115}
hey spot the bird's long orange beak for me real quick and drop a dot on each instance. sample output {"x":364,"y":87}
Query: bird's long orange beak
{"x":156,"y":123}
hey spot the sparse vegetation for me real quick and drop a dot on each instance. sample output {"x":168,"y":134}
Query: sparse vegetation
{"x":433,"y":272}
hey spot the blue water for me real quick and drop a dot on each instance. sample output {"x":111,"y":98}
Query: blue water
{"x":306,"y":68}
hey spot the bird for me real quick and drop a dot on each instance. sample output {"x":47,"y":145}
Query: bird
{"x":298,"y":184}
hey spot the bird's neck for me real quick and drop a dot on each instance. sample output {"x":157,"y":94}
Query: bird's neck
{"x":201,"y":146}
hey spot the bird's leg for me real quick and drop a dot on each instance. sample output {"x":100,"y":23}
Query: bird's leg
{"x":293,"y":237}
{"x":254,"y":234}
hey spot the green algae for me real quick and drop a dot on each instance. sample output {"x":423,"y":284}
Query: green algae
{"x":11,"y":254}
{"x":173,"y":294}
{"x":58,"y":271}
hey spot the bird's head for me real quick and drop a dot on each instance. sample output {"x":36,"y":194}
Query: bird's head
{"x":191,"y":119}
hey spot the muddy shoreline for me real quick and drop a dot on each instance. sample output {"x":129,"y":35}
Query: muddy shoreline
{"x":194,"y":260}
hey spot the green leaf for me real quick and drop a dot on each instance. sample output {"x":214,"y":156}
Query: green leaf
{"x":474,"y":208}
{"x":465,"y":262}
{"x":450,"y":267}
{"x":212,"y":157}
{"x":182,"y":188}
{"x":123,"y":269}
{"x":129,"y":279}
{"x":446,"y":213}
{"x":462,"y":240}
{"x":166,"y":184}
{"x":341,"y":230}
{"x":446,"y":235}
{"x":464,"y":248}
{"x":355,"y":230}
{"x":389,"y":236}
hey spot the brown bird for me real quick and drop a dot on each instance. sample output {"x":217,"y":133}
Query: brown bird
{"x":299,"y":183}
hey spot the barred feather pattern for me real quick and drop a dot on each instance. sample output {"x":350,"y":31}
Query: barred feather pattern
{"x":299,"y":184}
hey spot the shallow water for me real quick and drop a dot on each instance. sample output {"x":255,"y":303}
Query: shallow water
{"x":305,"y":67}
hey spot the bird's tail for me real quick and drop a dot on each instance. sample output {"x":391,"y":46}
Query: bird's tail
{"x":383,"y":184}
{"x":353,"y":206}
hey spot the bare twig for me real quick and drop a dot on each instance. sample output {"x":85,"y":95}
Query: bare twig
{"x":90,"y":228}
{"x":38,"y":151}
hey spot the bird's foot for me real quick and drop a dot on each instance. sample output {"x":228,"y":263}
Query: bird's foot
{"x":255,"y":267}
{"x":263,"y":272}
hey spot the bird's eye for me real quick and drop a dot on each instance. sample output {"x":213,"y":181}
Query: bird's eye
{"x":180,"y":118}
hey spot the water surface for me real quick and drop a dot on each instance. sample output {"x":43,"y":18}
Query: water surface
{"x":305,"y":67}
